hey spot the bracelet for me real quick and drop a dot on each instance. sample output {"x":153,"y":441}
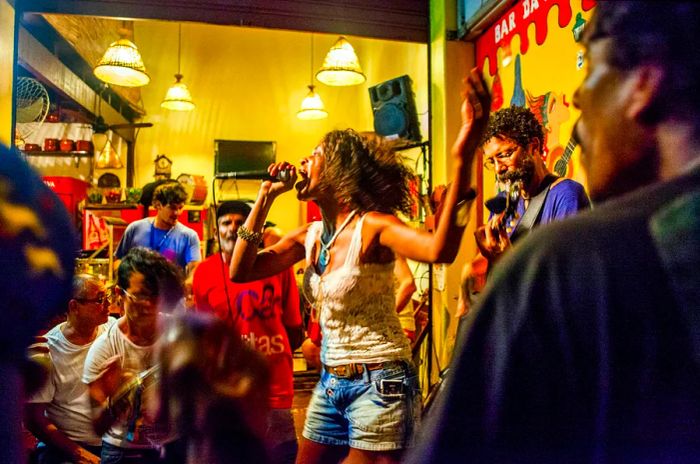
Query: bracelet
{"x":249,"y":236}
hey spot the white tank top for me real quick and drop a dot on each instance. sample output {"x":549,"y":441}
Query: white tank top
{"x":356,"y":306}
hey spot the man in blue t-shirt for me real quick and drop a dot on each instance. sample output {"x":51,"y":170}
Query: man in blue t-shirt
{"x":512,"y":146}
{"x":163,"y":233}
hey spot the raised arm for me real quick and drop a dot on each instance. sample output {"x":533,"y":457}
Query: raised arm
{"x":443,"y":245}
{"x":247,"y":263}
{"x":406,"y":284}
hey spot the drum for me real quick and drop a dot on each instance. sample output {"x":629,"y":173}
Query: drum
{"x":94,"y":266}
{"x":195,"y":186}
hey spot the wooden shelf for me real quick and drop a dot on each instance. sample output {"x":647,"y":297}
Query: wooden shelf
{"x":65,"y":154}
{"x":111,"y":205}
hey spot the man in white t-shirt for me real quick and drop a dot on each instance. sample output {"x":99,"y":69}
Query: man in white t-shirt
{"x":59,"y":414}
{"x":120,"y":368}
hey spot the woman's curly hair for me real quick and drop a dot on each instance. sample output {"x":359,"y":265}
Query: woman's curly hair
{"x":366,"y":172}
{"x":516,"y":123}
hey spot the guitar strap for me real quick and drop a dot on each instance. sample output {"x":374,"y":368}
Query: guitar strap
{"x":532,"y":213}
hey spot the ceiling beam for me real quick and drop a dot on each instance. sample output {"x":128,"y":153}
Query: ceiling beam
{"x":404,"y":20}
{"x":34,"y":57}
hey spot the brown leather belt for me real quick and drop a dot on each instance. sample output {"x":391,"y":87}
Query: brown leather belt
{"x":347,"y":371}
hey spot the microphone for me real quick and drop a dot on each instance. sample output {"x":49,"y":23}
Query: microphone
{"x":257,"y":174}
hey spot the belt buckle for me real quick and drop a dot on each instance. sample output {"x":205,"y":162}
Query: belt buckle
{"x":342,"y":371}
{"x":347,"y":371}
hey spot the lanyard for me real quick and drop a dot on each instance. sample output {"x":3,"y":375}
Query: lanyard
{"x":153,"y":236}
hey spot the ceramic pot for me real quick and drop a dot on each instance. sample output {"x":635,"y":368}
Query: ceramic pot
{"x":83,"y":145}
{"x":50,"y":144}
{"x":66,"y":145}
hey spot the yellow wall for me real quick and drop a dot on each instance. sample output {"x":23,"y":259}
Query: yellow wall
{"x":450,"y":62}
{"x":248,"y":85}
{"x":7,"y":35}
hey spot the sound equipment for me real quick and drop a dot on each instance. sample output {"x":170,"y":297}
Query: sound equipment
{"x":394,"y":108}
{"x":262,"y":174}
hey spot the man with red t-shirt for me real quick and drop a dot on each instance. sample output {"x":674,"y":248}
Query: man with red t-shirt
{"x":265,"y":313}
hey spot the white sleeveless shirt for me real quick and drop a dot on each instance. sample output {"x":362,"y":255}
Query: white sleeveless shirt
{"x":356,"y":306}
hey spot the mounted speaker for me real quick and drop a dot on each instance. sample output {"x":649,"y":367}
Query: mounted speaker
{"x":394,"y":108}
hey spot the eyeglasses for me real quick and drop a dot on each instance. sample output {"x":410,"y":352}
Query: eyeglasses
{"x":99,"y":300}
{"x":490,"y":163}
{"x":139,"y":298}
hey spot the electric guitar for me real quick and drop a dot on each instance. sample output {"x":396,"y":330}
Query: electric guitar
{"x":563,"y":162}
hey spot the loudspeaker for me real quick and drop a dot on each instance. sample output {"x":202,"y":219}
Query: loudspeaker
{"x":394,"y":108}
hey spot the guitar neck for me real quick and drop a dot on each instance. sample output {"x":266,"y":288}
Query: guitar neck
{"x":561,"y":164}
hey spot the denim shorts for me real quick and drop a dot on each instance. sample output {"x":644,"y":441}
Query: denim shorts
{"x":377,"y":410}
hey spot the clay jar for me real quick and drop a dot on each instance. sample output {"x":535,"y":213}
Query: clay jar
{"x":66,"y":145}
{"x":83,"y":145}
{"x":50,"y":144}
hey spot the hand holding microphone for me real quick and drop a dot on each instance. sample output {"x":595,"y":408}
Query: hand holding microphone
{"x":282,"y":177}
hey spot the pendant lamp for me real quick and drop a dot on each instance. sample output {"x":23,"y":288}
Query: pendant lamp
{"x":341,"y":66}
{"x":178,"y":97}
{"x":106,"y":156}
{"x":122,"y":64}
{"x":312,"y":106}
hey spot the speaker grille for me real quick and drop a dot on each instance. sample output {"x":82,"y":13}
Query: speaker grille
{"x":394,"y":108}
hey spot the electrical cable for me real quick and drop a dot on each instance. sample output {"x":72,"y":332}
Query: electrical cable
{"x":224,"y":272}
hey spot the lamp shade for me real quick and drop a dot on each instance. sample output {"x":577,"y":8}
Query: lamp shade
{"x":122,"y":65}
{"x":312,"y":106}
{"x":178,"y":97}
{"x":341,"y":66}
{"x":99,"y":140}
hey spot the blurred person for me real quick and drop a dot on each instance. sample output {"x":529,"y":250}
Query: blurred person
{"x":121,"y":368}
{"x":215,"y":390}
{"x":584,"y":348}
{"x":265,"y":314}
{"x":367,"y":398}
{"x":59,"y":415}
{"x":38,"y":244}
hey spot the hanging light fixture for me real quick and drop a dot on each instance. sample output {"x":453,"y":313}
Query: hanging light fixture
{"x":312,"y":106}
{"x":107,"y":156}
{"x":122,"y":64}
{"x":178,"y":97}
{"x":341,"y":66}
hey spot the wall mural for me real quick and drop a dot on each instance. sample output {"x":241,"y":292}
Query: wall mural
{"x":542,"y":76}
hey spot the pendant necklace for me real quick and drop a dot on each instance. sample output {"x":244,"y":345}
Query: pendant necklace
{"x":324,"y":257}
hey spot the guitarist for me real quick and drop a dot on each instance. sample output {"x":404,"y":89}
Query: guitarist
{"x":512,"y":148}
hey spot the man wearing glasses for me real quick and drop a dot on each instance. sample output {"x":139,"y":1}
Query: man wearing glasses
{"x":120,"y":367}
{"x":512,"y":147}
{"x":59,"y":414}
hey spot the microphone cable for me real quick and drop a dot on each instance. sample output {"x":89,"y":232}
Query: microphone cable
{"x":224,"y":273}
